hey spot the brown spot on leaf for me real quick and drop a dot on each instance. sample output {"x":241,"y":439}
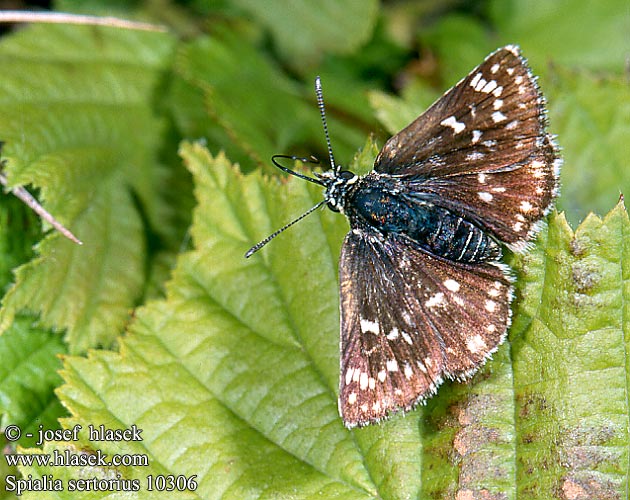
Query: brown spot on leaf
{"x":532,"y":403}
{"x":589,"y":488}
{"x":584,"y":277}
{"x":472,"y":409}
{"x":483,"y":494}
{"x":578,"y":246}
{"x":472,"y":437}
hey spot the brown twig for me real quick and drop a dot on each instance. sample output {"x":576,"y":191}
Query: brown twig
{"x":18,"y":16}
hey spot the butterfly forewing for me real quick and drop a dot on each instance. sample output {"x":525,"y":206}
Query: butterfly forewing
{"x":474,"y":113}
{"x":409,"y":319}
{"x":482,"y":151}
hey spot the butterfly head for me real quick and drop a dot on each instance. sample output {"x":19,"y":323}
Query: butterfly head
{"x":337,"y":184}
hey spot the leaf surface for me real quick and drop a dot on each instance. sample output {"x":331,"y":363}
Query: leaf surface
{"x":90,"y":147}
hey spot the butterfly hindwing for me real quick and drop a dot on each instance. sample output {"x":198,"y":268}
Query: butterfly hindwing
{"x":408,"y":320}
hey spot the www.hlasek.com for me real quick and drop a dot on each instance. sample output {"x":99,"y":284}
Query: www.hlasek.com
{"x":108,"y":478}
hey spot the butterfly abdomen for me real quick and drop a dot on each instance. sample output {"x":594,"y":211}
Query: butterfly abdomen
{"x":435,"y":229}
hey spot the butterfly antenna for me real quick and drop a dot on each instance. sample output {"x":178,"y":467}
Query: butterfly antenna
{"x":322,"y":112}
{"x":312,"y":159}
{"x":258,"y":246}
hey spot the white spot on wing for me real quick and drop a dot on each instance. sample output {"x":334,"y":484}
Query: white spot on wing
{"x":480,"y":85}
{"x":489,"y":87}
{"x":363,"y":381}
{"x":452,"y":285}
{"x":487,"y":197}
{"x":497,"y":104}
{"x":481,"y":178}
{"x":369,"y":326}
{"x":407,"y":338}
{"x":392,"y":365}
{"x":475,"y":80}
{"x":452,"y":122}
{"x":538,"y":168}
{"x":491,"y":305}
{"x":495,"y":68}
{"x":475,"y":155}
{"x":476,"y":136}
{"x":349,"y":375}
{"x":537,"y":164}
{"x":352,"y":398}
{"x":408,"y":371}
{"x":382,"y":375}
{"x":435,"y":300}
{"x":526,"y":206}
{"x":476,"y":344}
{"x":497,"y":117}
{"x":393,"y":335}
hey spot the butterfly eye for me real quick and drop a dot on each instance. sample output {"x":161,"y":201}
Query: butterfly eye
{"x":346,"y":175}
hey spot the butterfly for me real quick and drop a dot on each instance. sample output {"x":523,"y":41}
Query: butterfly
{"x":424,"y":295}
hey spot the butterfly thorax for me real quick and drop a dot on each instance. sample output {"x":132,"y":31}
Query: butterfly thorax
{"x":389,"y":207}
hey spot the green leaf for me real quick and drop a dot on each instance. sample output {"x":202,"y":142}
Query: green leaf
{"x":395,"y":113}
{"x":305,"y":29}
{"x":570,"y":344}
{"x":18,"y":232}
{"x":590,"y":115}
{"x":28,"y":375}
{"x":461,"y":43}
{"x":275,"y":118}
{"x":571,"y":32}
{"x":234,"y":375}
{"x":78,"y":124}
